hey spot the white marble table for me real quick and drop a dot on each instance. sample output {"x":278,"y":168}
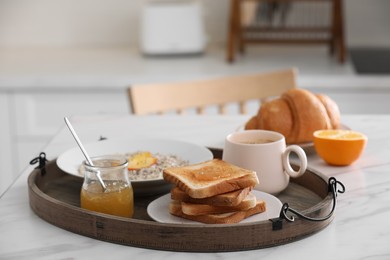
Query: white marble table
{"x":360,"y":229}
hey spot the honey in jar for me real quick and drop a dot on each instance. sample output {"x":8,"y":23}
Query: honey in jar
{"x":117,"y":197}
{"x":116,"y":200}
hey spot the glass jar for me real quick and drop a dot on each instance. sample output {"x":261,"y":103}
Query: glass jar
{"x":117,"y":199}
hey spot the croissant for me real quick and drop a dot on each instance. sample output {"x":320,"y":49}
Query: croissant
{"x":296,"y":114}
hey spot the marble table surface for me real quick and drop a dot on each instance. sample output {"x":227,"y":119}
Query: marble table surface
{"x":359,"y":230}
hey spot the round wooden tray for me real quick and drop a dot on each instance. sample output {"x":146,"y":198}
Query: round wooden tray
{"x":54,"y":196}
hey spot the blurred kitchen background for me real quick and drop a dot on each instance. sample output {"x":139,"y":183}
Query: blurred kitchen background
{"x":66,"y":57}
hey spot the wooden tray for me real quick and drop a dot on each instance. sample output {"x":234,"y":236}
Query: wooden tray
{"x":54,"y":196}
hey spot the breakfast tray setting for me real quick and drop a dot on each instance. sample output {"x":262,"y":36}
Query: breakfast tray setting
{"x":309,"y":206}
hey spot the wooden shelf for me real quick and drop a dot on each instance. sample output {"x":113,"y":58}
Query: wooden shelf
{"x":286,"y":22}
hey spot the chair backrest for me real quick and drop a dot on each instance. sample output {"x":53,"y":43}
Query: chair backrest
{"x":161,"y":98}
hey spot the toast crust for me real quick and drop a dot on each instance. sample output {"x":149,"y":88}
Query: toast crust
{"x":232,"y":198}
{"x":226,"y":218}
{"x":210,"y":178}
{"x":206,"y":209}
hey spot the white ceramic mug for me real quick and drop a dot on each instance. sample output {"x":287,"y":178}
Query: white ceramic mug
{"x":264,"y":152}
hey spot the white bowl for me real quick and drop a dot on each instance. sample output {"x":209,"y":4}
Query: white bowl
{"x":71,"y":160}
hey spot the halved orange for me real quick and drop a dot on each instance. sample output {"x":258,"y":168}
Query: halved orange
{"x":339,"y":147}
{"x":141,"y":160}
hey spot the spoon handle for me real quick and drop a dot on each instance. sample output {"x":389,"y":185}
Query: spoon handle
{"x":78,"y":141}
{"x":83,"y":150}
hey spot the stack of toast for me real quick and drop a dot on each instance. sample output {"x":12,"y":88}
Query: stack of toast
{"x":213,"y":192}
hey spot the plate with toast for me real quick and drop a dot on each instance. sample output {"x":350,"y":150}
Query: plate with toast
{"x":213,"y":192}
{"x":158,"y":210}
{"x":145,"y":179}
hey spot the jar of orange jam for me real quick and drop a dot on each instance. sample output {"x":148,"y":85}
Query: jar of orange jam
{"x":117,"y":198}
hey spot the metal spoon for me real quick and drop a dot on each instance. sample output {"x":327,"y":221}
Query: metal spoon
{"x":84,"y":151}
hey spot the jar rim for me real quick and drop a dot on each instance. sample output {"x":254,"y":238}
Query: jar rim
{"x":120,"y":160}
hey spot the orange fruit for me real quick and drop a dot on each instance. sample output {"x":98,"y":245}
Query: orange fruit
{"x":339,"y":147}
{"x":141,"y":160}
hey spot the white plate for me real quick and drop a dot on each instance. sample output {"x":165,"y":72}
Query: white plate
{"x":158,"y":210}
{"x":70,"y":160}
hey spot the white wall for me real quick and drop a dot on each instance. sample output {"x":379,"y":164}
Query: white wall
{"x":368,"y":22}
{"x":116,"y":22}
{"x":68,"y":22}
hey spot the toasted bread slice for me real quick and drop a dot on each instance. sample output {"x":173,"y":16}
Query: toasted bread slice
{"x":204,"y":209}
{"x":210,"y":178}
{"x":226,"y":218}
{"x":232,"y":198}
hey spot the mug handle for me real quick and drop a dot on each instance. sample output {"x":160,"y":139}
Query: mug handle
{"x":302,"y":161}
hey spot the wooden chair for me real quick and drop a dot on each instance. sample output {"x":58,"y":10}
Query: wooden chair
{"x":178,"y":97}
{"x":309,"y":22}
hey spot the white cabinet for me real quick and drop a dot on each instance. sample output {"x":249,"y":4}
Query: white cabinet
{"x":41,"y":114}
{"x":30,"y":118}
{"x":7,"y":174}
{"x":359,"y":100}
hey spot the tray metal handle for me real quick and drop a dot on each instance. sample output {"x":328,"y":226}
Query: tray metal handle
{"x":277,"y":223}
{"x":41,"y":160}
